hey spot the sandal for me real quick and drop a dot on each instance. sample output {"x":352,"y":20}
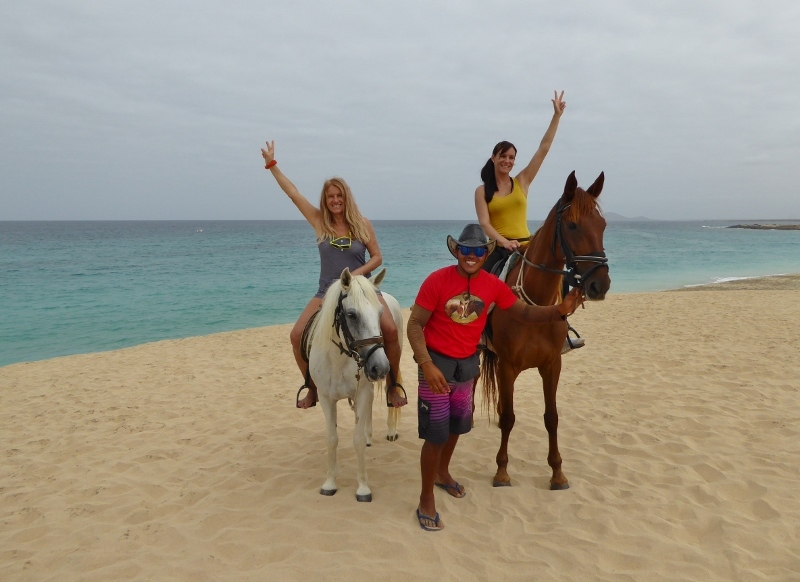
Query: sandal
{"x":434,"y":520}
{"x":456,"y":490}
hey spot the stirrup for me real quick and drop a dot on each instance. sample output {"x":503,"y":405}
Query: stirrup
{"x":395,"y":385}
{"x":572,"y":343}
{"x":297,"y":398}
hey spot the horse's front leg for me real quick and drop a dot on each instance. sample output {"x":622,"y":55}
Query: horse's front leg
{"x":363,"y":418}
{"x":506,"y":376}
{"x":368,"y":426}
{"x":329,"y":408}
{"x":550,"y":375}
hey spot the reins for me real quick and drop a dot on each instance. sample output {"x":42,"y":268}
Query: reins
{"x":571,"y":276}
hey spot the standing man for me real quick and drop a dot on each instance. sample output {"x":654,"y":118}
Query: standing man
{"x":446,"y":323}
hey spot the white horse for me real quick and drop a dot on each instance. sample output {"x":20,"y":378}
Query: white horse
{"x":346,"y":357}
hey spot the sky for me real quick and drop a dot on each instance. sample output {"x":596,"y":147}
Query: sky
{"x":123,"y":110}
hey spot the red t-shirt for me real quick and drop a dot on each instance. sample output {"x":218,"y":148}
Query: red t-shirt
{"x":458,"y":316}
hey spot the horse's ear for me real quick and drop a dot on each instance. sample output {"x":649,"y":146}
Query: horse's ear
{"x":595,"y":189}
{"x":379,"y":278}
{"x":346,"y":278}
{"x":570,"y":187}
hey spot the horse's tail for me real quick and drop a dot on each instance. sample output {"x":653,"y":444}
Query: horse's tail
{"x":489,"y":380}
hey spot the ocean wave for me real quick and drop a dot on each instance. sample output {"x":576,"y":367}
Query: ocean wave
{"x":717,"y":280}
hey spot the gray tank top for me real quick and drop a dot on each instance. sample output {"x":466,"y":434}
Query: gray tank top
{"x":333,"y":260}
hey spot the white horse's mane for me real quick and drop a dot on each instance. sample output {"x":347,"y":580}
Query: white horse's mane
{"x":361,"y":296}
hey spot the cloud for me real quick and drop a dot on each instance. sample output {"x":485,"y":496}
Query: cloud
{"x":157,"y":111}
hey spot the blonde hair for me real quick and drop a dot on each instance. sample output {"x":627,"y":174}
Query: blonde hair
{"x":356,"y":223}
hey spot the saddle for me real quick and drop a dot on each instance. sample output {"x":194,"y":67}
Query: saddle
{"x":305,"y":340}
{"x":501,"y":268}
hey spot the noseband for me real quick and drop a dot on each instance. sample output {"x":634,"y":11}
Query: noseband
{"x":351,"y":345}
{"x":571,"y":275}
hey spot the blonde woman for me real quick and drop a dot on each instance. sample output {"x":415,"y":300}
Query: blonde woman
{"x":344,"y":237}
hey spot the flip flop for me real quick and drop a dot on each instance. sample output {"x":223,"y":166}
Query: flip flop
{"x":297,"y":398}
{"x":403,"y":390}
{"x":456,"y":490}
{"x":422,"y":517}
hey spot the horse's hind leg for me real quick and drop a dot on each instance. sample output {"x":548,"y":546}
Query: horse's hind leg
{"x":391,"y":424}
{"x":363,"y":416}
{"x":329,"y":408}
{"x":550,"y":375}
{"x":394,"y":415}
{"x":505,"y":381}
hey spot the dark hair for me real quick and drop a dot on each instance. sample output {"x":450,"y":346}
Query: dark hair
{"x":487,"y":172}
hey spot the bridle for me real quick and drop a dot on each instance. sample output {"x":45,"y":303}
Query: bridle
{"x":572,"y":277}
{"x":353,"y":347}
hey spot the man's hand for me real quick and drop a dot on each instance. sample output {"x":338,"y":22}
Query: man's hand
{"x":571,"y":302}
{"x":435,"y":378}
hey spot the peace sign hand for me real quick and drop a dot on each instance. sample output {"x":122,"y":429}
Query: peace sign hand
{"x":269,"y":153}
{"x":559,"y":105}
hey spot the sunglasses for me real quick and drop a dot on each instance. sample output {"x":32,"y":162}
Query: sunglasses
{"x":342,"y":243}
{"x":467,"y":251}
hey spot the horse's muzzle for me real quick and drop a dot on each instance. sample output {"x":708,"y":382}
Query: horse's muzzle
{"x":598,"y":285}
{"x":377,"y":366}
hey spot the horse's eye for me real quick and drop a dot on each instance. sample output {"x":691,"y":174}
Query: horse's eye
{"x":352,"y":315}
{"x":572,"y":226}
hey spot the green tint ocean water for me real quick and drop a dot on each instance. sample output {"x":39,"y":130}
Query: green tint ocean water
{"x":77,"y":287}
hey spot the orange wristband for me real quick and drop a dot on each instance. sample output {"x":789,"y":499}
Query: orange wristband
{"x":270,"y":164}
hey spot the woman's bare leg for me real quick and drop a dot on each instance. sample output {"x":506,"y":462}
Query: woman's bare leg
{"x":296,"y":337}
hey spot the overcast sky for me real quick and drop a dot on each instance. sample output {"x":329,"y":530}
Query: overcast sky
{"x":116,"y":110}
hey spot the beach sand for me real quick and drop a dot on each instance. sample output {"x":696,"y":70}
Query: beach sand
{"x":186,"y":460}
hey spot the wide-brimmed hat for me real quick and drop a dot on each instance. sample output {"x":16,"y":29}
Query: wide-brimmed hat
{"x":472,"y":236}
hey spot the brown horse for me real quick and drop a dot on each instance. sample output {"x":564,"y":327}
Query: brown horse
{"x":572,"y":234}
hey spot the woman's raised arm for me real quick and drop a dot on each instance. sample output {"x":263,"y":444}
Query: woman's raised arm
{"x":311,"y":213}
{"x":527,"y":175}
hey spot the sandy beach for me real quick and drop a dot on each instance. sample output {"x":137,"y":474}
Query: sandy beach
{"x":186,"y":460}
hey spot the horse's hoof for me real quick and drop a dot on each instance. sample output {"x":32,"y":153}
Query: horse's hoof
{"x":557,"y":487}
{"x":501,"y":483}
{"x":369,"y":444}
{"x":391,"y":439}
{"x":327,"y":492}
{"x":367,"y":497}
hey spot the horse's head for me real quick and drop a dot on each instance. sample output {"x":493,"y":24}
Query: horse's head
{"x":579,"y":236}
{"x":357,"y":319}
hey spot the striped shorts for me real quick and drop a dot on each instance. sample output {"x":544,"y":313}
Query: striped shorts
{"x":440,"y":415}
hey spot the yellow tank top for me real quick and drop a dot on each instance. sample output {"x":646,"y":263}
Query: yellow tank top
{"x":509,"y":214}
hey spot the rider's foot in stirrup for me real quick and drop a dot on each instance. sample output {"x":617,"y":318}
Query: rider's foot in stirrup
{"x":572,"y":343}
{"x":396,"y":396}
{"x":309,"y":400}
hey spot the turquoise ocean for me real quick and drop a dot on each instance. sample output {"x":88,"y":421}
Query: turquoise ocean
{"x":79,"y":287}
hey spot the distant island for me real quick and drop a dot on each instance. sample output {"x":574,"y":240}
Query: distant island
{"x":767,"y":226}
{"x":614,"y":217}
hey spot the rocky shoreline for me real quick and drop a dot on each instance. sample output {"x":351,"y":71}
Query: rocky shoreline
{"x":767,"y":226}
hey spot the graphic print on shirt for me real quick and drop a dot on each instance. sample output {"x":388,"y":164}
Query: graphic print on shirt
{"x":464,"y":308}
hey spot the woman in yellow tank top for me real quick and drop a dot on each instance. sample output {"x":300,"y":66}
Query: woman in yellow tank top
{"x":502,"y":201}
